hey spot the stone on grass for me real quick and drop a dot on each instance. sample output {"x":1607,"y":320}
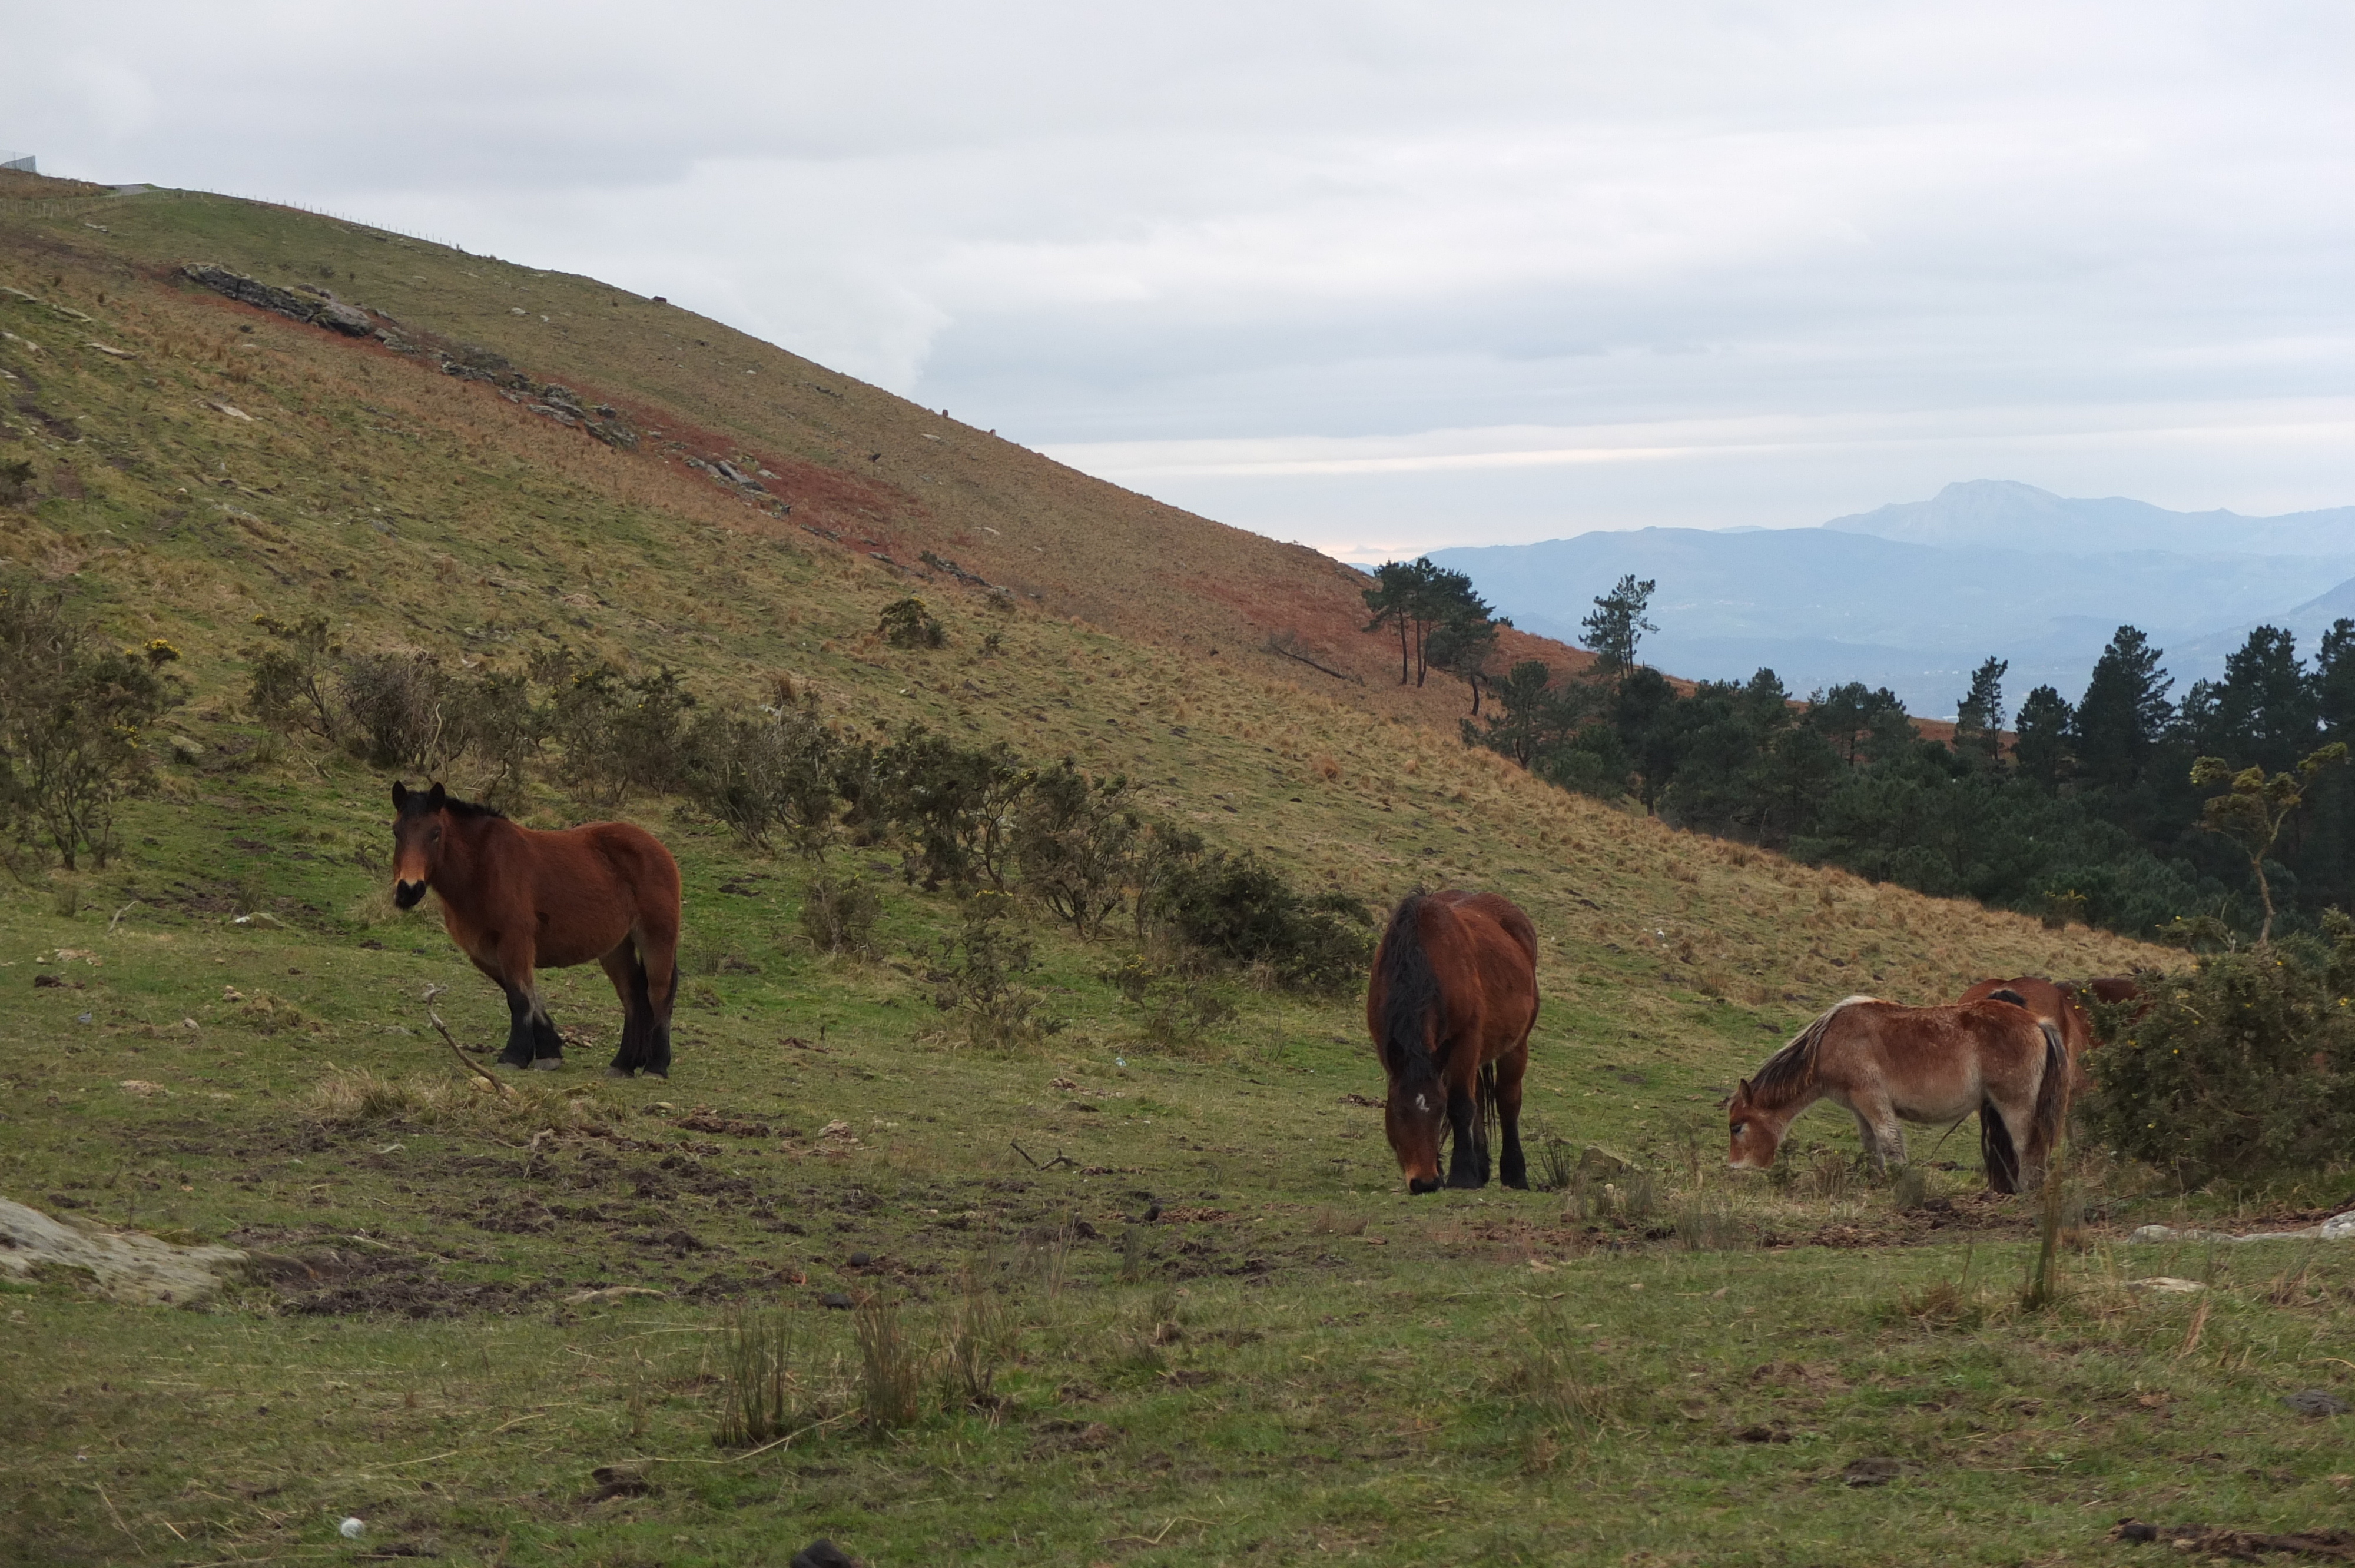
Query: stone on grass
{"x":132,"y":1268}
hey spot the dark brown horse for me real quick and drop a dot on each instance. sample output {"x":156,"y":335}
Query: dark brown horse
{"x":2062,"y":1004}
{"x":1888,"y":1064}
{"x":1454,"y":997}
{"x":518,"y":900}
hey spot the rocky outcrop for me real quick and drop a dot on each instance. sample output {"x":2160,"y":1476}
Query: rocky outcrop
{"x":315,"y":306}
{"x":468,"y":361}
{"x":127,"y":1265}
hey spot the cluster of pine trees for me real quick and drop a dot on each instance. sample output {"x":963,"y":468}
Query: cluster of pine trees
{"x":2129,"y":807}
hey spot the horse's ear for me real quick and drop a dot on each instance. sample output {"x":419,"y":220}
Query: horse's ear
{"x":437,"y":799}
{"x":399,"y":794}
{"x":1742,"y":1092}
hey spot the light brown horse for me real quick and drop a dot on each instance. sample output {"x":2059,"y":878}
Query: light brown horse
{"x":1889,"y":1064}
{"x":1454,"y":996}
{"x":518,"y":900}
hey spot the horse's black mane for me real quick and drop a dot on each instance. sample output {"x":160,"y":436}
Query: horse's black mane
{"x":1410,"y":993}
{"x":415,"y":806}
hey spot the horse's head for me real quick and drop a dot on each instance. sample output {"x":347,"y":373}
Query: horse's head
{"x":418,"y":827}
{"x":1753,"y":1135}
{"x":1413,"y":1116}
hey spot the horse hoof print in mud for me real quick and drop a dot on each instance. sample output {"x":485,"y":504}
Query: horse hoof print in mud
{"x":517,"y":900}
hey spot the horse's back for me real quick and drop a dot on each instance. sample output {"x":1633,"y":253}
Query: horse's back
{"x":1932,"y":1062}
{"x":1491,"y":947}
{"x":593,"y":885}
{"x":1497,"y":913}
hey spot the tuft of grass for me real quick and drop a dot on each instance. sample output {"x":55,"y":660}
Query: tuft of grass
{"x":763,"y":1393}
{"x":978,"y":1343}
{"x":1707,"y":1221}
{"x":1555,"y":1382}
{"x":359,"y":1096}
{"x":890,"y":1371}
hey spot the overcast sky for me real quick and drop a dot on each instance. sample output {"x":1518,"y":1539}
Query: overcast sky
{"x":1376,"y":276}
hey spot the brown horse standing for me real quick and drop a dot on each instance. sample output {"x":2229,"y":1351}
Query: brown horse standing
{"x":2062,"y":1004}
{"x":518,"y":900}
{"x":1454,"y":997}
{"x":1888,"y":1064}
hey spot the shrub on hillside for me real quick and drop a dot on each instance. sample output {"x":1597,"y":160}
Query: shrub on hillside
{"x":493,"y":718}
{"x":393,"y":702}
{"x":909,"y":623}
{"x":1075,"y":842}
{"x":2242,"y":1069}
{"x":765,"y":774}
{"x":838,"y":916}
{"x":981,"y":978}
{"x":1239,"y":907}
{"x":294,"y":675}
{"x":72,"y":710}
{"x":621,"y":732}
{"x":954,"y":803}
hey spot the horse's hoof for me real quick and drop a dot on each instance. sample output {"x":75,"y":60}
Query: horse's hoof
{"x":617,"y":1072}
{"x":547,"y":1064}
{"x":517,"y":1062}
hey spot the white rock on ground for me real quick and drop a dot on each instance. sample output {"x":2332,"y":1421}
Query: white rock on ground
{"x":2338,"y":1227}
{"x":130,"y":1266}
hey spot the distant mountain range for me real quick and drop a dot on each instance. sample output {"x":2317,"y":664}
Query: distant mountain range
{"x":1913,"y":595}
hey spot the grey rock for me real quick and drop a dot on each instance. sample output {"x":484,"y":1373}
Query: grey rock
{"x":2316,"y":1401}
{"x":350,"y":319}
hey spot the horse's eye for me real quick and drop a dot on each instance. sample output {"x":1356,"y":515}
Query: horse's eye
{"x":1738,"y":1126}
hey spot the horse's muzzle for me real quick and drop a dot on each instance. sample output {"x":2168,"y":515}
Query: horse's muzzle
{"x":1419,"y":1185}
{"x":407,"y":895}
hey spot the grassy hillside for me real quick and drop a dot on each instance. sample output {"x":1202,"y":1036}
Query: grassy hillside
{"x":476,"y":1301}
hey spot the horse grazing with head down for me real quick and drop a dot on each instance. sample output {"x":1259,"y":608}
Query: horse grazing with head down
{"x":1889,"y":1064}
{"x":1454,"y":997}
{"x":518,"y":900}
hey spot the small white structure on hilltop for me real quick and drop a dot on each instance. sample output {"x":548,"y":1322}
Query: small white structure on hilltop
{"x":20,"y":162}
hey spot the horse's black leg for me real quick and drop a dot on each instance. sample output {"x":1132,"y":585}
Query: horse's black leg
{"x":547,"y":1045}
{"x":1468,"y":1166}
{"x":619,"y":966}
{"x":657,"y":1014}
{"x":1513,"y":1170}
{"x":518,"y":1053}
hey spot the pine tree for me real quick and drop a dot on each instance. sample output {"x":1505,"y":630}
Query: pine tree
{"x":2124,"y":715}
{"x":1617,"y":626}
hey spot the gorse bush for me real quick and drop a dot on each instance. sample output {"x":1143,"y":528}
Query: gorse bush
{"x":954,"y":803}
{"x":72,"y":713}
{"x":1075,"y":842}
{"x":2240,"y":1070}
{"x":768,"y":774}
{"x":394,"y":704}
{"x":290,"y":688}
{"x":982,"y":974}
{"x":1239,"y":907}
{"x":838,"y":916}
{"x":909,"y":623}
{"x":621,"y":732}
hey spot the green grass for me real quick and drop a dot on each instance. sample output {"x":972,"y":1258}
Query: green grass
{"x":471,"y":1304}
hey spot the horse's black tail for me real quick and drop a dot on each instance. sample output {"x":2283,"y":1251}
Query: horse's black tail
{"x":1410,"y":996}
{"x":1484,"y":1113}
{"x":2052,"y":1097}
